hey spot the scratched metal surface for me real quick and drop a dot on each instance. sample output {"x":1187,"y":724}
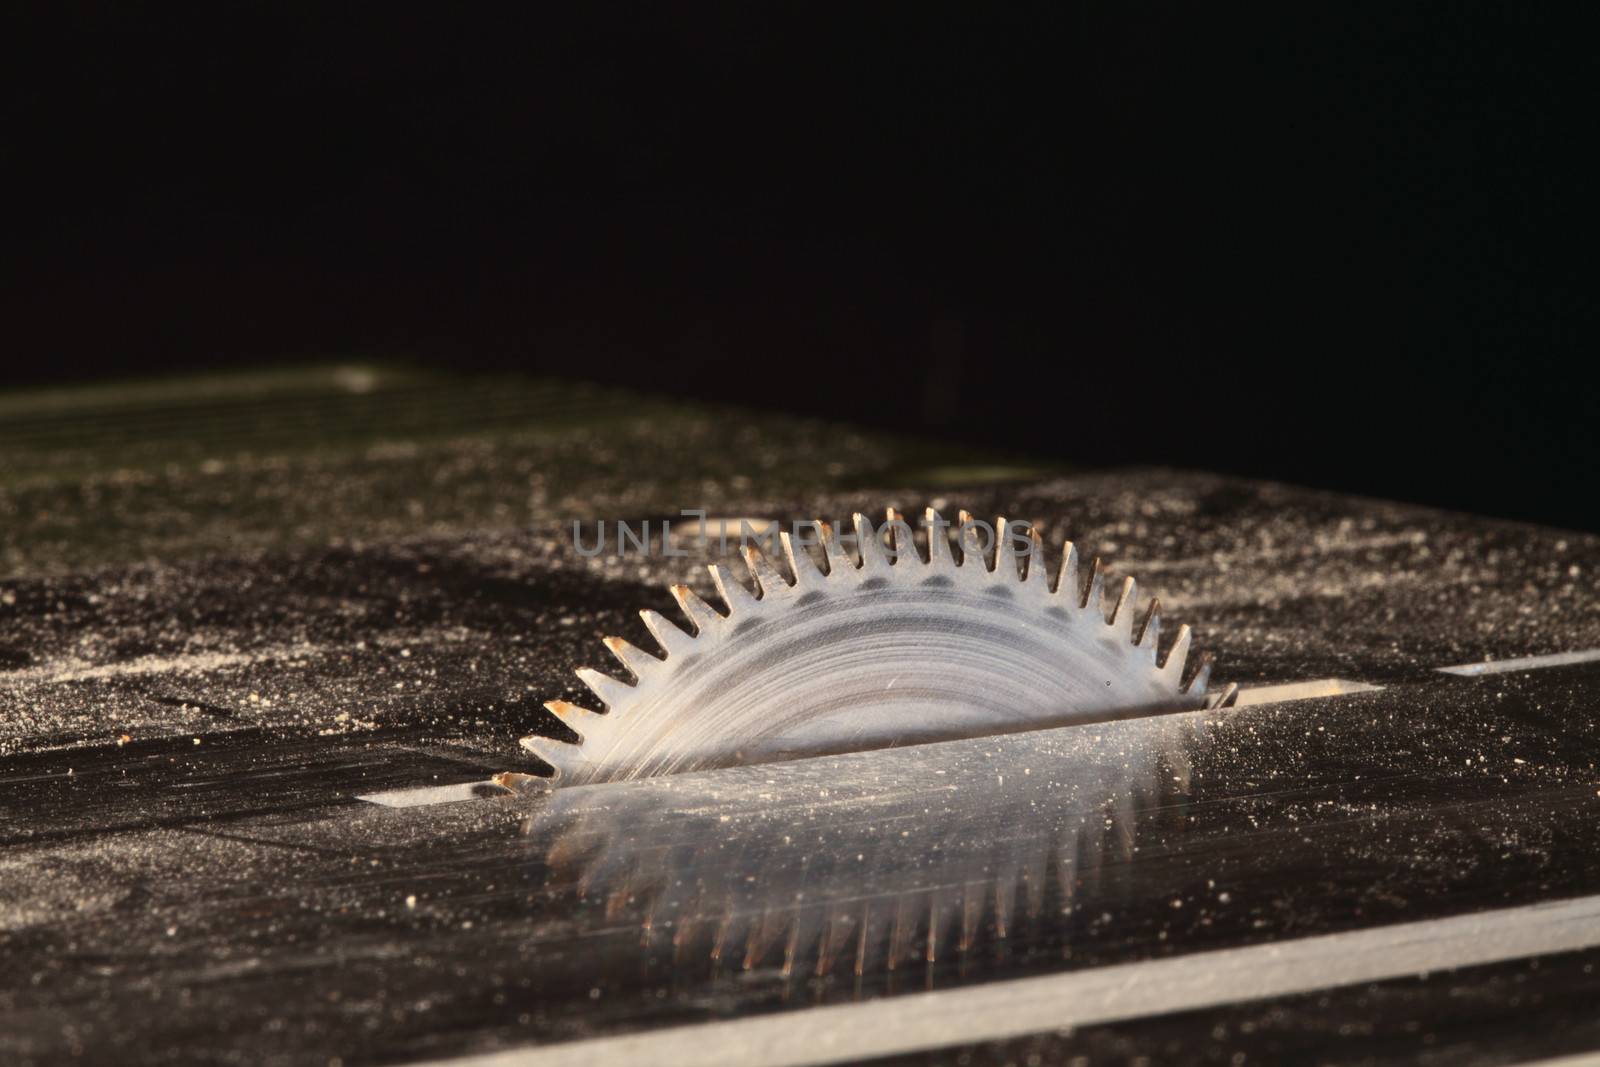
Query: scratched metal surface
{"x":385,"y":934}
{"x":232,"y":607}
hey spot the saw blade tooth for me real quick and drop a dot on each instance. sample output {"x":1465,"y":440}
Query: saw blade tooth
{"x":901,"y":930}
{"x":840,"y":563}
{"x":864,"y":938}
{"x":904,"y":543}
{"x":1172,"y":666}
{"x":800,"y":930}
{"x":1122,"y":611}
{"x":1094,"y":592}
{"x":1202,"y":676}
{"x":739,"y":600}
{"x":703,"y":615}
{"x":972,"y":549}
{"x":631,"y":656}
{"x":970,"y":541}
{"x":1005,"y":553}
{"x":971,"y":913}
{"x":1067,"y":573}
{"x":874,"y":560}
{"x":565,"y":758}
{"x":574,"y":715}
{"x":547,"y":749}
{"x":941,"y":916}
{"x":764,"y":933}
{"x":671,"y":638}
{"x":611,"y":690}
{"x":805,"y":569}
{"x":1038,"y":574}
{"x":727,"y":934}
{"x":1150,"y":630}
{"x":939,"y":555}
{"x":834,"y":936}
{"x":771,"y":584}
{"x":1005,"y":900}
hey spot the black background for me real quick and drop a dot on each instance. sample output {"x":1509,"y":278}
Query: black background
{"x":1334,"y":245}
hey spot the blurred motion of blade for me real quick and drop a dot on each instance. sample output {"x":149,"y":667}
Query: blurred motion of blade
{"x":892,"y":648}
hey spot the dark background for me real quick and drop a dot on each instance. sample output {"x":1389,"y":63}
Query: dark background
{"x":1332,"y":245}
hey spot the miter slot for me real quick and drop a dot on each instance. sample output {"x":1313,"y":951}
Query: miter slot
{"x":1525,"y":663}
{"x":1320,"y":687}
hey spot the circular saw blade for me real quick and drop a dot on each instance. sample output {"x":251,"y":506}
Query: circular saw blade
{"x":891,"y":648}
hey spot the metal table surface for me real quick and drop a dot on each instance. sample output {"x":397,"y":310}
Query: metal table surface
{"x":266,"y":641}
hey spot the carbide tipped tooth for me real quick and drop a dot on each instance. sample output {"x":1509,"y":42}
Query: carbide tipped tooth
{"x":1150,"y":630}
{"x":611,"y":690}
{"x":941,"y":914}
{"x":970,"y":540}
{"x":873,"y":557}
{"x":672,"y":639}
{"x":738,"y":599}
{"x":630,"y":656}
{"x":1038,"y":576}
{"x":1202,"y":676}
{"x":574,"y":715}
{"x":727,"y":931}
{"x":1005,"y":553}
{"x":764,"y":933}
{"x":1177,"y":654}
{"x":971,"y":912}
{"x":840,"y":563}
{"x":772,"y":584}
{"x":703,"y":615}
{"x":1005,"y":898}
{"x":1094,"y":594}
{"x":904,"y":543}
{"x":901,"y":931}
{"x":938,"y":540}
{"x":1122,"y":611}
{"x":793,"y":943}
{"x":1067,"y":574}
{"x":805,"y":569}
{"x":833,"y":937}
